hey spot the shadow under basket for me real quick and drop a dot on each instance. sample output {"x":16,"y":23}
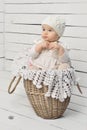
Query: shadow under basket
{"x":45,"y":107}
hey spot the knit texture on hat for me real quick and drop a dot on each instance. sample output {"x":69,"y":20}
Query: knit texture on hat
{"x":57,"y":23}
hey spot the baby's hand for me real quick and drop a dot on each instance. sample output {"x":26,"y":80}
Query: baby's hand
{"x":54,"y":45}
{"x":39,"y":47}
{"x":45,"y":44}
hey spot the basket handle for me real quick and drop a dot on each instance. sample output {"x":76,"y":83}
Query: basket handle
{"x":78,"y":86}
{"x":11,"y":83}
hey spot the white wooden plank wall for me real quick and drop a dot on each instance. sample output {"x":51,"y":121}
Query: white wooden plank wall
{"x":1,"y":35}
{"x":22,"y":26}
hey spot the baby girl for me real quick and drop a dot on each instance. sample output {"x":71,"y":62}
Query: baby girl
{"x":49,"y":52}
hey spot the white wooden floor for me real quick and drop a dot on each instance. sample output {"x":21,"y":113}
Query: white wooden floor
{"x":16,"y":113}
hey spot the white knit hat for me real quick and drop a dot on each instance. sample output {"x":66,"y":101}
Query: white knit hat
{"x":57,"y":23}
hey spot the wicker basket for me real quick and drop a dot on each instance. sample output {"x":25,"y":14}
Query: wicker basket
{"x":45,"y":107}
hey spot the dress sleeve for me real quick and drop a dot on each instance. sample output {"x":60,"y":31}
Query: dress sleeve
{"x":32,"y":52}
{"x":65,"y":57}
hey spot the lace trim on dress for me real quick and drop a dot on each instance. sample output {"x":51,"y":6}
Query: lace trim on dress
{"x":59,"y":82}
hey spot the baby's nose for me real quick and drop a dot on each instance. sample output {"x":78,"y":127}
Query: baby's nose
{"x":46,"y":32}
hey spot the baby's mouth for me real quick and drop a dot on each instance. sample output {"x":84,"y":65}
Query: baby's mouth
{"x":45,"y":37}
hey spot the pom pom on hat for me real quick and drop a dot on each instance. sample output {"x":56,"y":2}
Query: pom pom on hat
{"x":57,"y":23}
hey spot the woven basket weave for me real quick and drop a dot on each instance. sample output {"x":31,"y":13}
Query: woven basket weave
{"x":45,"y":107}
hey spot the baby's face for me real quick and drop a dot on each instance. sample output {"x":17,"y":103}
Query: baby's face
{"x":49,"y":34}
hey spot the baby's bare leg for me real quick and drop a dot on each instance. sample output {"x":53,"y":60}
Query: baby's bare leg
{"x":63,"y":66}
{"x":32,"y":67}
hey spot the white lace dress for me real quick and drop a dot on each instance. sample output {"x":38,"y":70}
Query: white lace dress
{"x":59,"y":82}
{"x":48,"y":59}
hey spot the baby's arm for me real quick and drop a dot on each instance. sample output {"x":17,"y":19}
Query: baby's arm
{"x":55,"y":45}
{"x":62,"y":52}
{"x":33,"y":53}
{"x":41,"y":46}
{"x":64,"y":60}
{"x":37,"y":48}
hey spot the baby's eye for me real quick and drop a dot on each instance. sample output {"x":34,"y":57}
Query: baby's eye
{"x":43,"y":29}
{"x":50,"y":30}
